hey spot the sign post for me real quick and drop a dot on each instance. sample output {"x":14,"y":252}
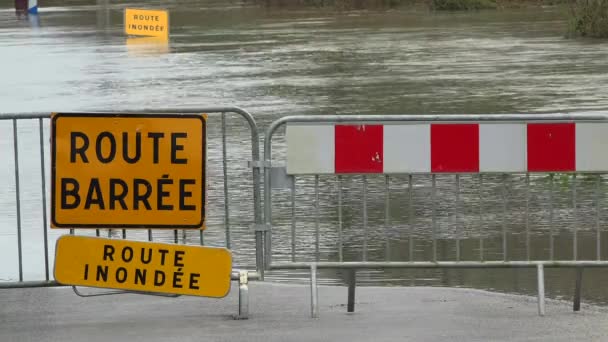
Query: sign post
{"x":143,"y":266}
{"x":128,"y":171}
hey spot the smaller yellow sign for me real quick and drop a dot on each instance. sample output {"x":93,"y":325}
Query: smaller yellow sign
{"x":152,"y":23}
{"x":143,"y":266}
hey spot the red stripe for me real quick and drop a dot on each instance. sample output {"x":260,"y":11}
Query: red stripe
{"x":359,"y":148}
{"x":551,"y":147}
{"x":454,"y":148}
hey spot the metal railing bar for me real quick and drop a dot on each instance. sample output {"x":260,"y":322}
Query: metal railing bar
{"x":551,"y":232}
{"x":440,"y":264}
{"x":504,"y":217}
{"x":17,"y":198}
{"x":43,"y":186}
{"x":225,"y":174}
{"x":410,"y":218}
{"x":527,"y":217}
{"x":434,"y":215}
{"x":293,"y":219}
{"x":365,"y":237}
{"x":598,"y":235}
{"x":317,"y":232}
{"x":387,"y":214}
{"x":481,"y":222}
{"x":574,"y":219}
{"x":340,"y":237}
{"x":457,"y":222}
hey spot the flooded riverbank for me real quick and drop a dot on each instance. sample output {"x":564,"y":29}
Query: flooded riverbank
{"x":275,"y":62}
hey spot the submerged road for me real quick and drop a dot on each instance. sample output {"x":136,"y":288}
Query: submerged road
{"x":281,"y":313}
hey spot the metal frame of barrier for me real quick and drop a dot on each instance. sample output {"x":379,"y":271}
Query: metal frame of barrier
{"x":277,"y":177}
{"x":240,"y":275}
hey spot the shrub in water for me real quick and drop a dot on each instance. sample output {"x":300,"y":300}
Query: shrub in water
{"x":589,"y":18}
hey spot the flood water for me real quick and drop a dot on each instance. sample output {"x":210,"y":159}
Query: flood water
{"x":274,"y":62}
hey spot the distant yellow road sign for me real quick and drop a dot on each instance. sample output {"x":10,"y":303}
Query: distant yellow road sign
{"x":142,"y":22}
{"x":143,"y":266}
{"x":128,"y":171}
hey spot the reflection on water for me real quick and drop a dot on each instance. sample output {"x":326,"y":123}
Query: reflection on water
{"x":276,"y":62}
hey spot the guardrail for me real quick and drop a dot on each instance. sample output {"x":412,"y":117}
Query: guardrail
{"x":231,"y":218}
{"x":441,"y":179}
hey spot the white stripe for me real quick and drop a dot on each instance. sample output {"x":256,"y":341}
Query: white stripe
{"x":310,"y":149}
{"x":502,"y":148}
{"x":407,"y":148}
{"x":591,"y":147}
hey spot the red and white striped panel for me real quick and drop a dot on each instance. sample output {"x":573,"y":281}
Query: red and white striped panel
{"x":447,"y":148}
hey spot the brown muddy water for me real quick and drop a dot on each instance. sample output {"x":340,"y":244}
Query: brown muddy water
{"x":273,"y":62}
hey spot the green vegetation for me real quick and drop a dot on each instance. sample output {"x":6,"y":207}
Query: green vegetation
{"x":589,"y":18}
{"x":461,"y":5}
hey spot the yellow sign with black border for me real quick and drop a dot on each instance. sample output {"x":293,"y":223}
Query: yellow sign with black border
{"x":143,"y":266}
{"x":143,"y":22}
{"x":128,"y":170}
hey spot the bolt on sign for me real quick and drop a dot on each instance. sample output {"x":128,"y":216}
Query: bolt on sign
{"x":128,"y":171}
{"x":142,"y":22}
{"x":143,"y":266}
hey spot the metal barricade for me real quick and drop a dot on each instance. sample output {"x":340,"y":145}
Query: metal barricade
{"x":233,"y":192}
{"x":366,"y":181}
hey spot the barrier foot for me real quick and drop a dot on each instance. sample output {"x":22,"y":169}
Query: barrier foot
{"x":352,"y":283}
{"x":577,"y":289}
{"x":541,"y":289}
{"x":243,"y":296}
{"x":314,"y":295}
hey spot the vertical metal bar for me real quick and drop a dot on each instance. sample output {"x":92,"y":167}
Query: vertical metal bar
{"x":150,"y":235}
{"x":175,"y":236}
{"x":109,"y":233}
{"x":352,"y":284}
{"x":481,"y":253}
{"x":314,"y":300}
{"x":576,"y":306}
{"x":433,"y":216}
{"x":124,"y":234}
{"x":225,"y":171}
{"x":96,"y":232}
{"x":575,"y":216}
{"x":364,"y":218}
{"x":457,"y":223}
{"x":72,"y":231}
{"x":184,"y":236}
{"x":17,"y":198}
{"x":527,"y":217}
{"x":540,"y":275}
{"x":598,"y":236}
{"x":340,"y":237}
{"x":551,"y":242}
{"x":293,"y":220}
{"x":317,"y":256}
{"x":243,"y":295}
{"x":202,"y":238}
{"x":410,"y":218}
{"x":43,"y":180}
{"x":504,"y":217}
{"x":387,"y":218}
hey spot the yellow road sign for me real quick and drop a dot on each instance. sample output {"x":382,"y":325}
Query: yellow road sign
{"x":143,"y":266}
{"x":142,"y":22}
{"x":128,"y":171}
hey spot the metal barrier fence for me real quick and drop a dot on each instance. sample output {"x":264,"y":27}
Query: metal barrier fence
{"x":363,"y":184}
{"x":234,"y":200}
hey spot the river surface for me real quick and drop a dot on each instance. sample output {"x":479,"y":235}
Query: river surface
{"x":274,"y":62}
